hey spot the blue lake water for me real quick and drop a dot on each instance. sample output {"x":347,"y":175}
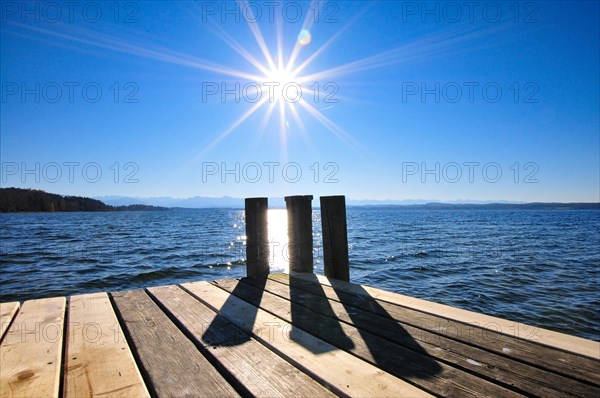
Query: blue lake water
{"x":537,"y":267}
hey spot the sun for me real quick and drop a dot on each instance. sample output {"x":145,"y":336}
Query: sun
{"x":280,"y":76}
{"x":281,"y":87}
{"x":280,"y":84}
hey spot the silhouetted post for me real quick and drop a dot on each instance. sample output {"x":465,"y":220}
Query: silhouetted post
{"x":257,"y":237}
{"x":335,"y":237}
{"x":300,"y":240}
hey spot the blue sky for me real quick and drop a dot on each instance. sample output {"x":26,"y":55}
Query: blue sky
{"x":430,"y":100}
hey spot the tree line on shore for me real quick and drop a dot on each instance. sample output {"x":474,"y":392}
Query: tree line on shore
{"x":16,"y":200}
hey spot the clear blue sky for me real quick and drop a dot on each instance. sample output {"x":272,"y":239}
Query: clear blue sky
{"x":416,"y":88}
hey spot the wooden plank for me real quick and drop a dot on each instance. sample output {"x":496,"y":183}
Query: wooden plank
{"x":335,"y":237}
{"x":171,"y":364}
{"x":7,"y":313}
{"x":30,"y":354}
{"x":514,"y":374}
{"x":576,"y":345}
{"x":488,"y":337}
{"x":409,"y":364}
{"x":343,"y":373}
{"x":262,"y":372}
{"x":99,"y":361}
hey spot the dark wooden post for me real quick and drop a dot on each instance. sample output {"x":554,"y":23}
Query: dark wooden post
{"x":335,"y":237}
{"x":257,"y":237}
{"x":300,"y":239}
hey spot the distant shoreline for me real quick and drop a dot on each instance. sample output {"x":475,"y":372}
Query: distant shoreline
{"x":17,"y":200}
{"x":491,"y":206}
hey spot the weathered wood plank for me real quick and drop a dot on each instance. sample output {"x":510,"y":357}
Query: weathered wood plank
{"x":409,"y":364}
{"x":344,"y":373}
{"x":99,"y":361}
{"x":30,"y":354}
{"x":550,"y":338}
{"x":7,"y":313}
{"x":488,"y":336}
{"x":171,"y":363}
{"x":514,"y":374}
{"x":262,"y":372}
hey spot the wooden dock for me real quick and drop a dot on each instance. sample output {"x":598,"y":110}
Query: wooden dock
{"x":280,"y":336}
{"x":276,"y":335}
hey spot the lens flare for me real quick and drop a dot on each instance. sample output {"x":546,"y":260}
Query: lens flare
{"x":304,"y":37}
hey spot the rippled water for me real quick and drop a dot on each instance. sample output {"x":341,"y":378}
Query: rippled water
{"x":537,"y":267}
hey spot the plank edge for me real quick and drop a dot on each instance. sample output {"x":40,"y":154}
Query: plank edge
{"x":7,"y":316}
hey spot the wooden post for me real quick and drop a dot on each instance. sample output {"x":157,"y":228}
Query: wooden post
{"x":300,"y":239}
{"x":335,"y":237}
{"x":257,"y":237}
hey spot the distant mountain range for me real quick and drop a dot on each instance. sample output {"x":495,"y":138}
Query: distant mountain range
{"x":278,"y":202}
{"x":196,"y":202}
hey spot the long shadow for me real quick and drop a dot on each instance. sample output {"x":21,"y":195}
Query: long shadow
{"x":377,"y":338}
{"x":303,"y":308}
{"x":357,"y":324}
{"x":215,"y":328}
{"x":305,"y":323}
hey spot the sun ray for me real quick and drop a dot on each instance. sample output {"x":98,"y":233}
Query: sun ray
{"x":233,"y":126}
{"x":237,"y":47}
{"x":427,"y":48}
{"x":282,"y":131}
{"x":267,"y":116}
{"x":339,"y":132}
{"x":164,"y":56}
{"x":306,"y":25}
{"x":260,"y":40}
{"x":279,"y":39}
{"x":300,"y":123}
{"x":325,"y":45}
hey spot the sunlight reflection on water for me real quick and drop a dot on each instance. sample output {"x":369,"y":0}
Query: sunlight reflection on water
{"x":278,"y":240}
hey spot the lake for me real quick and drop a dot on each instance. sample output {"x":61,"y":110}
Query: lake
{"x":540,"y":267}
